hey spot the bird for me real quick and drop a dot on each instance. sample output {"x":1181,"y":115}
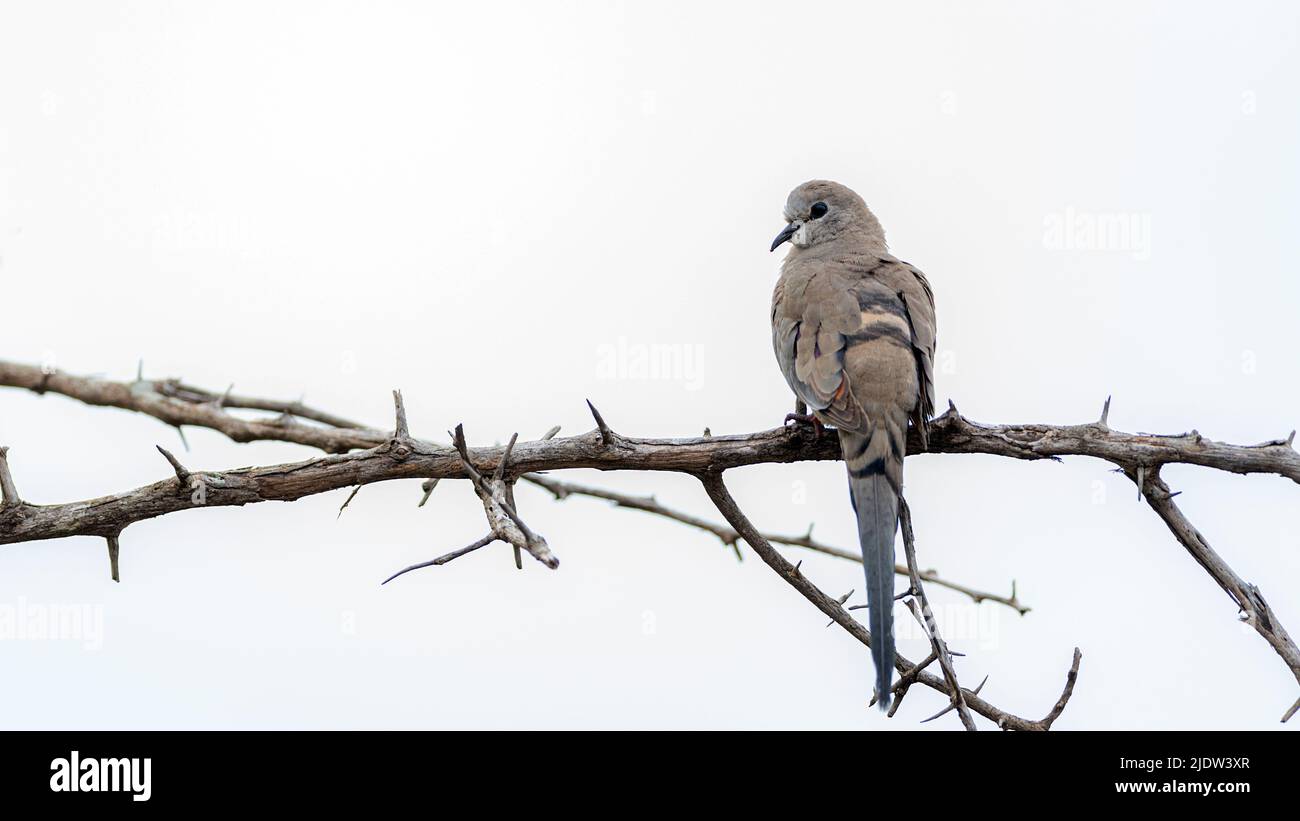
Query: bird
{"x":853,"y":328}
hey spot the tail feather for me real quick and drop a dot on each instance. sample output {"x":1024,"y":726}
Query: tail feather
{"x":875,"y":466}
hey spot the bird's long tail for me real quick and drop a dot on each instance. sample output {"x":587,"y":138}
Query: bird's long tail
{"x":875,"y":465}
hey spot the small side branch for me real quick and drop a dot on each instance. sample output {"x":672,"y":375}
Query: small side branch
{"x":503,"y":520}
{"x":1059,"y":707}
{"x":495,"y":493}
{"x":441,"y":560}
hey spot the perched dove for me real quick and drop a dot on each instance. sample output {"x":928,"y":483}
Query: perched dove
{"x":853,"y":329}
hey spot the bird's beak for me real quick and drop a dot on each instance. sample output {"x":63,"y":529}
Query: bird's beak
{"x":784,"y":236}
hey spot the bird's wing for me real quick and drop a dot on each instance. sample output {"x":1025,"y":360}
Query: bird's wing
{"x":812,"y":318}
{"x":914,"y":291}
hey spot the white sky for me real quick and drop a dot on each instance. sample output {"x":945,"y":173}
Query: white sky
{"x":497,"y":208}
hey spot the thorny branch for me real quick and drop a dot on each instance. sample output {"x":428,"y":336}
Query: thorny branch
{"x":1251,"y":606}
{"x":358,"y":455}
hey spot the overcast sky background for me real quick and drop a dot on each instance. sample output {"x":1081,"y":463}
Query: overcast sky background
{"x":497,"y":208}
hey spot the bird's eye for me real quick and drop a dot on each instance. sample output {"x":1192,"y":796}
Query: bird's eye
{"x":818,"y":210}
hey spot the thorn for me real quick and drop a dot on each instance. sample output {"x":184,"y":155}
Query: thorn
{"x":1290,"y":440}
{"x":952,"y":705}
{"x":139,"y":370}
{"x":401,"y":431}
{"x":1287,"y":715}
{"x":1105,"y":413}
{"x":458,"y":440}
{"x":505,"y":459}
{"x":225,"y":397}
{"x":893,"y":708}
{"x":550,"y":434}
{"x":185,"y":442}
{"x":841,"y":601}
{"x":427,"y":487}
{"x":707,"y":433}
{"x":606,"y":435}
{"x":1141,"y":480}
{"x":113,"y":549}
{"x":182,"y":475}
{"x":508,"y":507}
{"x":1175,"y":493}
{"x":8,"y":490}
{"x":348,"y":501}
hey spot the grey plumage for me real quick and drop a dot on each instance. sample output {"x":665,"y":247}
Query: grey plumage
{"x":853,"y":329}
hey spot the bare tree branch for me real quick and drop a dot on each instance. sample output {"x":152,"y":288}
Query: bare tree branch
{"x":176,"y":404}
{"x":360,"y":455}
{"x":949,"y":433}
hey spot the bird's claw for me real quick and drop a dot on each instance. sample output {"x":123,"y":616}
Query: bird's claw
{"x":806,"y":419}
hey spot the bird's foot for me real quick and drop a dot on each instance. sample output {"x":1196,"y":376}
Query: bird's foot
{"x":806,"y":419}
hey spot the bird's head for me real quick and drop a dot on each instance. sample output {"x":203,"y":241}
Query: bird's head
{"x":821,"y":211}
